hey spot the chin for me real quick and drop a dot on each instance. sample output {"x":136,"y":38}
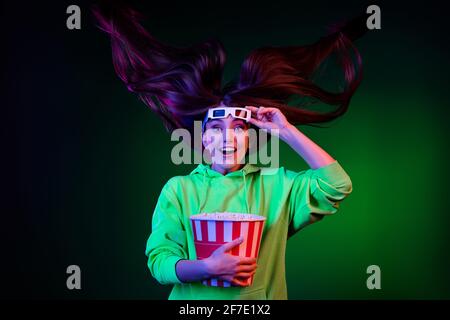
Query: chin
{"x":229,"y":165}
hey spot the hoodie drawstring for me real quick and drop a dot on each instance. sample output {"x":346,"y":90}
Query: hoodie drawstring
{"x":203,"y":198}
{"x":245,"y":192}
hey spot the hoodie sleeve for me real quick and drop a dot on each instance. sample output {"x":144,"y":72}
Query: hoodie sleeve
{"x":317,"y":191}
{"x":167,"y":242}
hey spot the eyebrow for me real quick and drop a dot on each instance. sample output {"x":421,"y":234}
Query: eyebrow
{"x":214,"y":121}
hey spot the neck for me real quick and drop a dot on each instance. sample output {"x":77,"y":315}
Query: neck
{"x":224,"y":171}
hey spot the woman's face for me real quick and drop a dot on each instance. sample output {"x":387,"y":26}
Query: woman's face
{"x":226,"y":140}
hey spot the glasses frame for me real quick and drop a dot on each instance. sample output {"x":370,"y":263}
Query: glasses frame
{"x":228,"y":111}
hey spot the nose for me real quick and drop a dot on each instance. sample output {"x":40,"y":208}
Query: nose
{"x":229,"y":136}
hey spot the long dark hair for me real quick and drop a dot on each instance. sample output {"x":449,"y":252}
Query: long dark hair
{"x":180,"y":84}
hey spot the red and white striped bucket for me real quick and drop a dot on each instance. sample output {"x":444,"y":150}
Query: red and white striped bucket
{"x":211,"y":230}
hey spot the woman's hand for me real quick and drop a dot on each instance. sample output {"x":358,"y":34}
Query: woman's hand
{"x":268,"y":118}
{"x":233,"y":269}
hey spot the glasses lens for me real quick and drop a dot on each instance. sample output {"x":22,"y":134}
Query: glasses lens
{"x":218,"y":113}
{"x":240,"y":113}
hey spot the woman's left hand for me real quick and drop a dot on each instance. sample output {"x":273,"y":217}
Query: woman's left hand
{"x":268,"y":118}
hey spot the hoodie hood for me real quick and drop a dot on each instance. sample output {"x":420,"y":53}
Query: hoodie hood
{"x":206,"y":170}
{"x":208,"y":173}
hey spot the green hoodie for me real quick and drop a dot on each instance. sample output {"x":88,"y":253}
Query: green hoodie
{"x":286,"y":198}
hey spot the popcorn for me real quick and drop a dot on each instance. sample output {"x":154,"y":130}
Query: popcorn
{"x":227,"y":216}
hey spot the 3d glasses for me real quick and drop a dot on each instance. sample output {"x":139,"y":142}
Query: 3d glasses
{"x":223,"y":112}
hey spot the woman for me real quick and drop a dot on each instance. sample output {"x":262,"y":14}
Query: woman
{"x":181,"y":85}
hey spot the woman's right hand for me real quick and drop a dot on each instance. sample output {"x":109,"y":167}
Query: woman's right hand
{"x":233,"y":269}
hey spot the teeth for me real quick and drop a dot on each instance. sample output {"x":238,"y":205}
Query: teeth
{"x":228,"y":150}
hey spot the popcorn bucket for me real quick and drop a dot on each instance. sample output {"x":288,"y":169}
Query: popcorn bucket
{"x":211,"y":230}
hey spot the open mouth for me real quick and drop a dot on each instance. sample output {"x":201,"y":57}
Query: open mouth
{"x":228,"y":151}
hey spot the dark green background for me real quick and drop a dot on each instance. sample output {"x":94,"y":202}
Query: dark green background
{"x":85,"y":161}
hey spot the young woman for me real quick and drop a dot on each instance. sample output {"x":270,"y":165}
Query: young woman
{"x":182,"y":85}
